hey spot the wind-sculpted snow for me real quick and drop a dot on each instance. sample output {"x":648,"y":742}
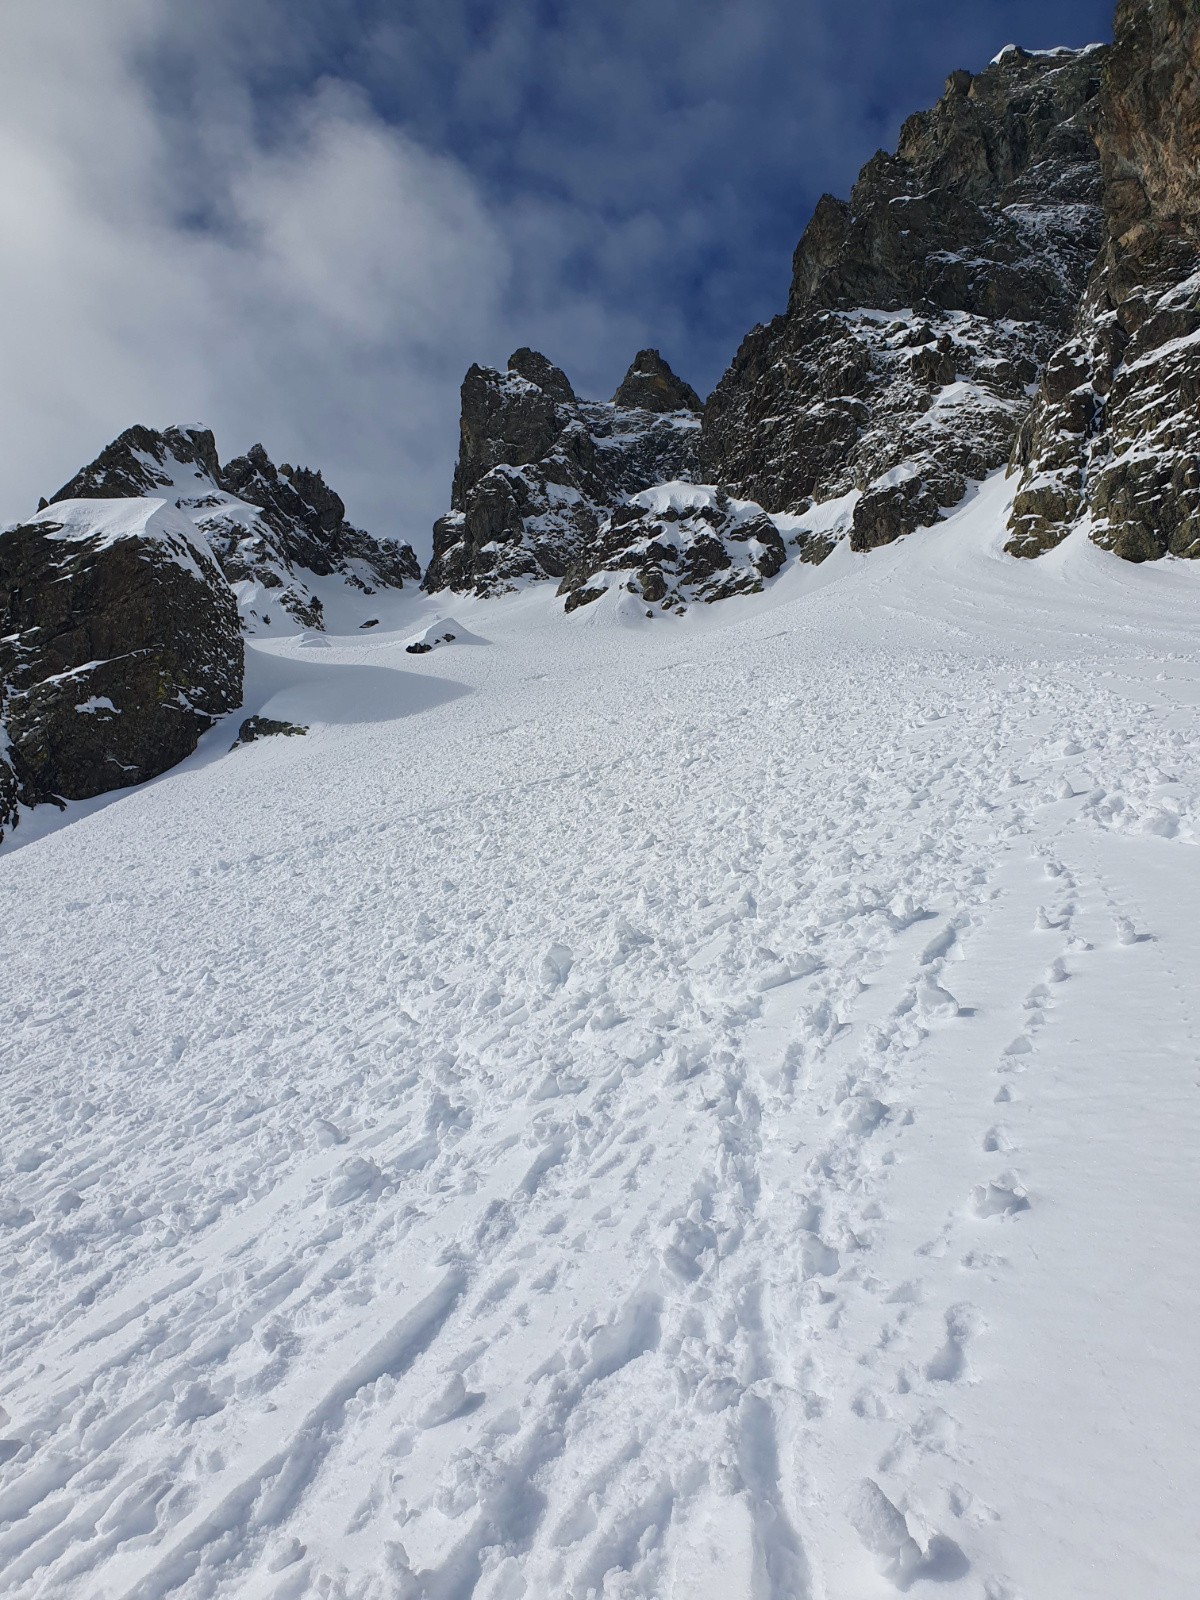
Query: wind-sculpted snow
{"x":704,"y":1108}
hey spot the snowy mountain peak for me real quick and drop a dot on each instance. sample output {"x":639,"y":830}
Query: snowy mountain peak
{"x":143,"y":460}
{"x":274,"y":530}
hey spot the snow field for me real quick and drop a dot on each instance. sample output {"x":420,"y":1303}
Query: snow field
{"x":702,"y":1109}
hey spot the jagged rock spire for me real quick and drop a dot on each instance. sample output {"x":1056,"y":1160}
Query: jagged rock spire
{"x":650,"y":385}
{"x":535,"y":368}
{"x":539,"y":470}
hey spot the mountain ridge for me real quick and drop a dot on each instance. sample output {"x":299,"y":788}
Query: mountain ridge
{"x":943,"y":322}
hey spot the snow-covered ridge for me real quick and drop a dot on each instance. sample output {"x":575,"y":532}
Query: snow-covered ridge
{"x":1055,"y":50}
{"x":104,"y":522}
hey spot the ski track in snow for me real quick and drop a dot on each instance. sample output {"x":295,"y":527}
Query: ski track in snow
{"x":636,"y":1125}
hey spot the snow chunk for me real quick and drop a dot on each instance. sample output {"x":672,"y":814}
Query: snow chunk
{"x":882,"y":1528}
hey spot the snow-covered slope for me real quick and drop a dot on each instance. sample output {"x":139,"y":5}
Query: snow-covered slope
{"x":702,"y":1108}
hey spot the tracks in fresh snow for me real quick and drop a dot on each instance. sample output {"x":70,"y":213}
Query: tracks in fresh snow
{"x":598,"y":1187}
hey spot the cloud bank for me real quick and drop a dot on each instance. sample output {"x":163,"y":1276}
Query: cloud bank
{"x":300,"y":223}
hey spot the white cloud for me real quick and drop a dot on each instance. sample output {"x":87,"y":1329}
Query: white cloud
{"x":303,"y":272}
{"x":350,"y":277}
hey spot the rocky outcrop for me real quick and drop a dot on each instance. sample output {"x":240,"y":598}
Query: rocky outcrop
{"x":922,"y":310}
{"x":142,"y":461}
{"x":121,"y":646}
{"x":1018,"y":284}
{"x":676,"y":544}
{"x":254,"y":728}
{"x":270,"y":528}
{"x":309,"y":523}
{"x":539,"y":470}
{"x":650,"y":385}
{"x":1113,"y":440}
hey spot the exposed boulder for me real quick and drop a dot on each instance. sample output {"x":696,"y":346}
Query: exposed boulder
{"x":895,"y":506}
{"x":1113,"y":441}
{"x":121,"y":646}
{"x":270,"y":528}
{"x":539,"y":470}
{"x":675,"y":544}
{"x":439,"y":633}
{"x":266,"y":728}
{"x":921,"y":311}
{"x":650,"y":385}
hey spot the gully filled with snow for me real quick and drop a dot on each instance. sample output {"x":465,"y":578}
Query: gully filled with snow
{"x":701,"y":1107}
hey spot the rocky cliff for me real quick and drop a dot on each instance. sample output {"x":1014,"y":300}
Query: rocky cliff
{"x":120,"y":647}
{"x":922,"y":309}
{"x":272,"y":529}
{"x":1017,"y":285}
{"x":1113,"y":440}
{"x":126,"y":597}
{"x":539,"y":469}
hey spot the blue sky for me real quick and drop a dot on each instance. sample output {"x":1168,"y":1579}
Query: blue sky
{"x":300,"y":221}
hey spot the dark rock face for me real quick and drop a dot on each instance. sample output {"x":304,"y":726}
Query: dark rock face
{"x":1113,"y":439}
{"x":538,"y":471}
{"x":267,"y":526}
{"x":981,"y":207}
{"x":921,"y":310}
{"x":507,"y":419}
{"x":650,"y":385}
{"x":309,"y":523}
{"x":533,"y":366}
{"x":676,"y":544}
{"x":121,"y":647}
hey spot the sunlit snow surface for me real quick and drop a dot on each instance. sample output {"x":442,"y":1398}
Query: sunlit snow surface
{"x":701,"y":1108}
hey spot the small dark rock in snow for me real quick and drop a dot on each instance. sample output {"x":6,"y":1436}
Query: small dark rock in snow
{"x":262,"y":728}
